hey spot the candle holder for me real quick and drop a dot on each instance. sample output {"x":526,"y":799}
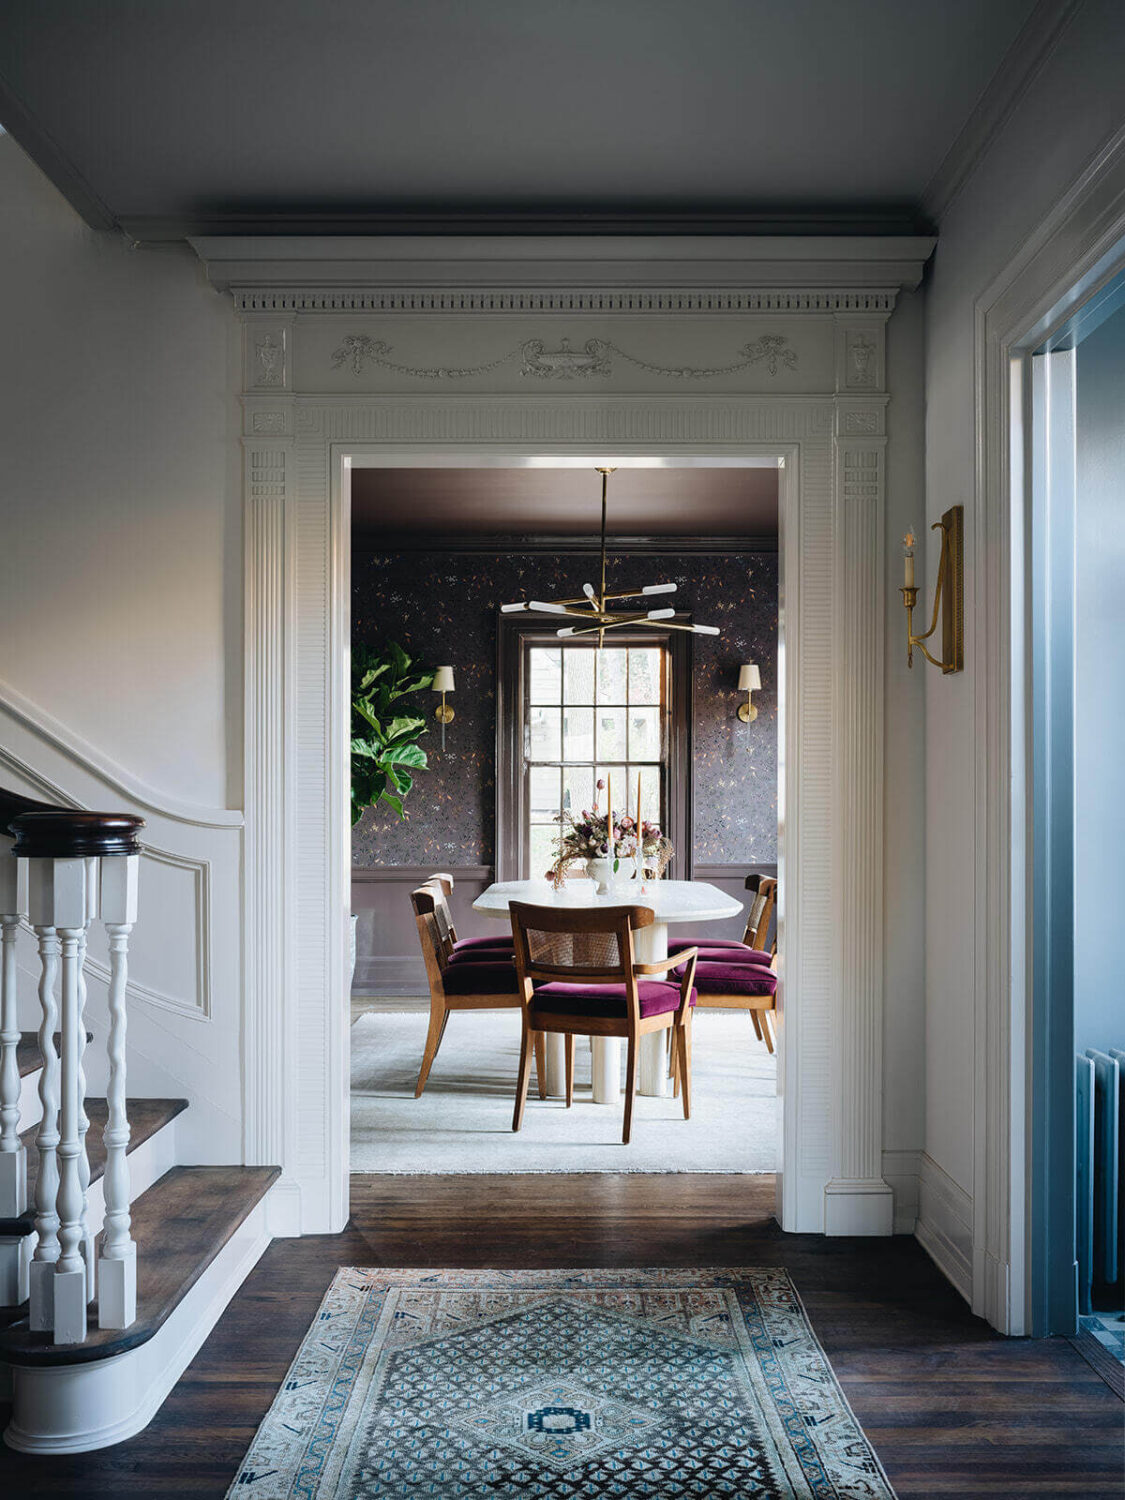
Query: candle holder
{"x":949,"y":596}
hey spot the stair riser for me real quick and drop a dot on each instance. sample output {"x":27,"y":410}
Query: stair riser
{"x":78,"y":1408}
{"x":147,"y":1164}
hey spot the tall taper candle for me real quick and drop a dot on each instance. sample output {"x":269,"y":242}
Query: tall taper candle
{"x":908,"y":550}
{"x":640,"y":832}
{"x":609,"y":813}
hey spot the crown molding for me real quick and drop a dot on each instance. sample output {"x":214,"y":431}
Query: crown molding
{"x":1018,"y":69}
{"x":592,"y":274}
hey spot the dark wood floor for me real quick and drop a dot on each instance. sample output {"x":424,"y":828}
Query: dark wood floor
{"x":951,"y":1408}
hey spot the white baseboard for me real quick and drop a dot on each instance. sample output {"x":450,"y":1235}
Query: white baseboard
{"x":945,"y":1225}
{"x":864,"y":1207}
{"x":901,"y":1171}
{"x":78,"y":1408}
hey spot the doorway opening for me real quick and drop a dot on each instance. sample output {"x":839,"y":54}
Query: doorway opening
{"x":439,"y":544}
{"x":1077,"y":712}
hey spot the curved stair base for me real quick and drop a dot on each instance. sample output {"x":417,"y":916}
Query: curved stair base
{"x":75,"y":1408}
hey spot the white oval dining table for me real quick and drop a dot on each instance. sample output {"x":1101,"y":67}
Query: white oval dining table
{"x":670,"y":901}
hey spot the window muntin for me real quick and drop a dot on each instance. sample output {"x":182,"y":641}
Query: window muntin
{"x":589,"y":713}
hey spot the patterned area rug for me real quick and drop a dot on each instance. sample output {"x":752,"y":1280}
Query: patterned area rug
{"x":561,"y":1385}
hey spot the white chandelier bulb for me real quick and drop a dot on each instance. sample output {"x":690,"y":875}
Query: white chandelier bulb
{"x":705,"y":629}
{"x":660,"y":614}
{"x":546,"y":609}
{"x":566,"y":630}
{"x":588,"y":590}
{"x":509,"y":609}
{"x":659,"y":588}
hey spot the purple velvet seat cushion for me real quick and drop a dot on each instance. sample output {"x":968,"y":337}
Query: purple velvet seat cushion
{"x":734,"y":979}
{"x":656,"y":998}
{"x":733,"y":956}
{"x":482,"y":951}
{"x":495,"y":978}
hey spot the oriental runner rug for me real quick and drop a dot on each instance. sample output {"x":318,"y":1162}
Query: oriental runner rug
{"x":560,"y":1385}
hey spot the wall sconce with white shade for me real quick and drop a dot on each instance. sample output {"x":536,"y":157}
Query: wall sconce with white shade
{"x":749,"y":682}
{"x":443,"y":683}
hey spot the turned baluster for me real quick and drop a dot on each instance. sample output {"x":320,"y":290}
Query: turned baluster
{"x":13,"y":1156}
{"x":117,"y":1265}
{"x":42,"y":1271}
{"x":70,"y":1268}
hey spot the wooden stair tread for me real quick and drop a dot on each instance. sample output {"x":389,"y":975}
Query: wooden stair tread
{"x":27,"y":1051}
{"x":146,"y":1117}
{"x":180,"y":1225}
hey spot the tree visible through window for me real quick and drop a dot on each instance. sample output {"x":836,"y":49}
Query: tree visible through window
{"x":589,"y":714}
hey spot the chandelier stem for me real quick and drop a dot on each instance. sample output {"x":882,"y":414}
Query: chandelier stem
{"x":601,"y":596}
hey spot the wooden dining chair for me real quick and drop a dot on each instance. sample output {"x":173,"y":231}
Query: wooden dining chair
{"x":719,"y":975}
{"x":475,"y":979}
{"x":452,"y":945}
{"x":578,"y":975}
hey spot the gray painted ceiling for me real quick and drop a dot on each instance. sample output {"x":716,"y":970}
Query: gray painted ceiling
{"x":175,"y":116}
{"x":465,"y":503}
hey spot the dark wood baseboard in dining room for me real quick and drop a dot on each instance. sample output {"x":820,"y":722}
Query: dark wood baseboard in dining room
{"x":951,"y":1408}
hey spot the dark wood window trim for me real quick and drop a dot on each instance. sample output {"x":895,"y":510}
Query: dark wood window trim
{"x":511,"y":636}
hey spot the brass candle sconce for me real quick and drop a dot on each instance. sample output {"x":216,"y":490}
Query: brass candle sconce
{"x":949,"y":596}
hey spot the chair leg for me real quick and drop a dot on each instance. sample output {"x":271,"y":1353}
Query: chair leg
{"x":685,"y":1064}
{"x":541,"y":1063}
{"x":674,"y":1060}
{"x":570,"y":1069}
{"x":630,"y":1089}
{"x":756,"y":1024}
{"x":438,"y":1019}
{"x":768,"y":1030}
{"x":523,"y":1078}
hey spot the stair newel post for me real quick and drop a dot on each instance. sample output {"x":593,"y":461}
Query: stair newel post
{"x":58,"y":900}
{"x":13,"y":1156}
{"x":117,"y":1267}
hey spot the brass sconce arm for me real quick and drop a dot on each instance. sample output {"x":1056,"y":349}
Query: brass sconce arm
{"x":948,"y":596}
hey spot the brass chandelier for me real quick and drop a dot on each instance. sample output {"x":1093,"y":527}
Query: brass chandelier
{"x":592,"y":611}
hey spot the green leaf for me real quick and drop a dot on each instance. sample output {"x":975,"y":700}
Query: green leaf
{"x":401,"y":729}
{"x":407,"y":755}
{"x":395,"y":803}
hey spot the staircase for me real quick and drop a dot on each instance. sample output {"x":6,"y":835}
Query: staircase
{"x":115,"y":1259}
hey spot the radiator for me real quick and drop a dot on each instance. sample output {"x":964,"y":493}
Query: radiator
{"x":1100,"y":1208}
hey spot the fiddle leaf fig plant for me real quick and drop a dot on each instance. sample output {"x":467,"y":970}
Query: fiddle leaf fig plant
{"x":385,"y":748}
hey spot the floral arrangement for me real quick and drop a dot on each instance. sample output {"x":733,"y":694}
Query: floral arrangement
{"x":592,"y":835}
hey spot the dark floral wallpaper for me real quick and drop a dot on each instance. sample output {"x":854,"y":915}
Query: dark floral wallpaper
{"x":442,"y":606}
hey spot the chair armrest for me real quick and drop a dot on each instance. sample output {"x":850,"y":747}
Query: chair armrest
{"x":671,"y":962}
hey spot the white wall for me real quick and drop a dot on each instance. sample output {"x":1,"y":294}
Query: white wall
{"x":120,"y":493}
{"x":1070,"y":109}
{"x":1099,"y":689}
{"x":904,"y":770}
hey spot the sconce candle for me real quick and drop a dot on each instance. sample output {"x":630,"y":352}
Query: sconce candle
{"x":908,"y":550}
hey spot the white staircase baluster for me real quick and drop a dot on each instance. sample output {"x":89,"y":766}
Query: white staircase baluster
{"x":42,"y":1273}
{"x":117,"y":1266}
{"x":13,"y":1156}
{"x":89,"y":1257}
{"x":70,"y":1269}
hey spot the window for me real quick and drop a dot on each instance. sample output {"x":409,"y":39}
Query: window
{"x":591,"y":714}
{"x":569,"y":715}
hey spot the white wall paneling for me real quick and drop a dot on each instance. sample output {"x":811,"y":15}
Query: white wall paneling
{"x":797,"y":375}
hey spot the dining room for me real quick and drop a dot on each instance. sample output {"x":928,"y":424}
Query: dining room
{"x":506,"y":759}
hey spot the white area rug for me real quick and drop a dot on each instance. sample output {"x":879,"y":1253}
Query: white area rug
{"x":463,"y":1121}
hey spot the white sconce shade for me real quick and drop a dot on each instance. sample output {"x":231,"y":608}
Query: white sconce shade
{"x":749,"y":679}
{"x":443,"y":680}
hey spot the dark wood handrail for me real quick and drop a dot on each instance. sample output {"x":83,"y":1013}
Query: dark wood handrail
{"x":75,"y":835}
{"x":43,"y":830}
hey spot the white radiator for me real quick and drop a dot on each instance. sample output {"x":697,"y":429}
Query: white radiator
{"x":1099,"y":1136}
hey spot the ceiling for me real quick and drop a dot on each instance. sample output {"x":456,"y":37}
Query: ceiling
{"x":217,"y":116}
{"x":440,"y":504}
